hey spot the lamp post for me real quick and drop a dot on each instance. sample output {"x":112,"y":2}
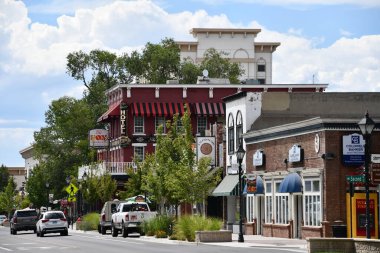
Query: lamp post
{"x":240,"y":155}
{"x":366,"y":126}
{"x":47,"y":185}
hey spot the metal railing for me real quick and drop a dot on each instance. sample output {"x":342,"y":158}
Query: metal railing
{"x":114,"y":168}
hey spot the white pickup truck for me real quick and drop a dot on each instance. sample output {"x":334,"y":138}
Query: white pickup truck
{"x":129,"y":216}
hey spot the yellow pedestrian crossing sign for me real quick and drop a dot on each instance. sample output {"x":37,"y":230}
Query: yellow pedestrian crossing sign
{"x":71,"y":189}
{"x":71,"y":199}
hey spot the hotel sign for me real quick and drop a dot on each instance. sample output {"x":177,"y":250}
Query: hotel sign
{"x":98,"y":138}
{"x":124,"y":140}
{"x":353,"y":149}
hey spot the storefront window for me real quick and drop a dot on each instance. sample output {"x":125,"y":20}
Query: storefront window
{"x":312,"y":202}
{"x":250,"y":207}
{"x":282,"y":208}
{"x":268,"y":202}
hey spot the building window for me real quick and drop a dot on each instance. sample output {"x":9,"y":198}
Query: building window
{"x":312,"y":202}
{"x":201,"y":125}
{"x":261,"y":80}
{"x":139,"y":124}
{"x":261,"y":68}
{"x":282,"y":208}
{"x":179,"y":125}
{"x":231,"y":134}
{"x":239,"y":129}
{"x":268,"y":202}
{"x":160,"y":121}
{"x":138,"y":153}
{"x":250,"y":207}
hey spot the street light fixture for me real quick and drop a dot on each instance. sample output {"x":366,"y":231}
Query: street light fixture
{"x":240,"y":155}
{"x":366,"y":126}
{"x":47,"y":185}
{"x":84,"y":178}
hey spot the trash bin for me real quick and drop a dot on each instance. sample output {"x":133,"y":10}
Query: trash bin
{"x":339,"y":230}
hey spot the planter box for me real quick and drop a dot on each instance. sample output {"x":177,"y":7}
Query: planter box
{"x":213,"y":236}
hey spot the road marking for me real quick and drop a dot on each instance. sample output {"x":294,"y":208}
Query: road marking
{"x":6,"y":249}
{"x":112,"y":240}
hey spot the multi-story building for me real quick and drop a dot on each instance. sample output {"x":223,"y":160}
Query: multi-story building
{"x":302,"y":152}
{"x":239,"y":45}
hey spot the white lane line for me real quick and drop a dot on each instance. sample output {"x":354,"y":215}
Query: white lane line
{"x":23,"y":243}
{"x":6,"y":249}
{"x":112,"y":240}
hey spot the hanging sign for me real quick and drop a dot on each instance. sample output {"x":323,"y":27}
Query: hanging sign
{"x":295,"y":154}
{"x":98,"y":138}
{"x":206,"y":148}
{"x":353,"y":149}
{"x":258,"y":158}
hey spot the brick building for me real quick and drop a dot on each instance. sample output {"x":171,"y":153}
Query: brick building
{"x":296,"y":149}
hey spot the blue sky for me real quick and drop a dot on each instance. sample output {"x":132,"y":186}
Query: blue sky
{"x":337,"y":41}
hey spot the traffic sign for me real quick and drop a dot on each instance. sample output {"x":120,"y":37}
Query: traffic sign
{"x":71,"y":189}
{"x":356,"y":178}
{"x":71,"y":199}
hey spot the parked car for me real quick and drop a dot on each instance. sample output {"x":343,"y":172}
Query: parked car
{"x":2,"y":218}
{"x":52,"y":222}
{"x":129,"y":216}
{"x":23,"y":220}
{"x":105,"y":215}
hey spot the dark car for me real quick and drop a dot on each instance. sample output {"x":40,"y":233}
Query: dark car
{"x":23,"y":220}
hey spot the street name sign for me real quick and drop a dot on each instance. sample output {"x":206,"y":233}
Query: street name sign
{"x":356,"y":178}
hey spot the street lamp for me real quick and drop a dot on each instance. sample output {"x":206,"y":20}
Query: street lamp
{"x":240,"y":155}
{"x":84,"y":178}
{"x":366,"y":126}
{"x":47,"y":185}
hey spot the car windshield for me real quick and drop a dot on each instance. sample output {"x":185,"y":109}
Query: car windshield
{"x":54,"y":216}
{"x":26,"y":213}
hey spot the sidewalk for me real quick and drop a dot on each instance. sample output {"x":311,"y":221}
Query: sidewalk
{"x":249,"y":241}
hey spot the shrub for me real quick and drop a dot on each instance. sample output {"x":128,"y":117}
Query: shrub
{"x":160,"y":223}
{"x":187,"y":225}
{"x":161,"y":234}
{"x":89,"y":221}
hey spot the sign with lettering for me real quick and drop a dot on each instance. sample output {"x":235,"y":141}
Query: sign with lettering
{"x":353,"y":149}
{"x":375,"y":173}
{"x":295,"y":154}
{"x":124,"y":139}
{"x":206,"y":148}
{"x":258,"y":158}
{"x":98,"y":138}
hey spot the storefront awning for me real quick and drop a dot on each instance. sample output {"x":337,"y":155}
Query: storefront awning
{"x":114,"y":110}
{"x":228,"y":186}
{"x":158,"y":109}
{"x":291,"y":183}
{"x":209,"y":109}
{"x":259,"y":186}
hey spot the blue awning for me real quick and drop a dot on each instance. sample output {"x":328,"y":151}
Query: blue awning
{"x":259,"y":186}
{"x":291,"y":183}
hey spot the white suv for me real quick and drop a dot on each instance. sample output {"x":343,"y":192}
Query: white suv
{"x":52,"y":222}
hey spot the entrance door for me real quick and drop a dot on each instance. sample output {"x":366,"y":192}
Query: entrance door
{"x":298,"y":216}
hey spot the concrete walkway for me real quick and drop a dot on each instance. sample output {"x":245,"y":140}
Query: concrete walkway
{"x":249,"y":241}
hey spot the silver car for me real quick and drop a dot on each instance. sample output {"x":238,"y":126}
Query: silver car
{"x":52,"y":222}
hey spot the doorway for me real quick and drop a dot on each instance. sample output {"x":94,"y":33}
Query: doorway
{"x":298,"y":216}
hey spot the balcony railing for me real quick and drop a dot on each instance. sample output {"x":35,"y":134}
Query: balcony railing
{"x":114,"y":168}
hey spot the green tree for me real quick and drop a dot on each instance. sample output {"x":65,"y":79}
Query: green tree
{"x":106,"y":188}
{"x":4,"y":177}
{"x":220,"y":67}
{"x":7,"y":197}
{"x":36,"y":186}
{"x":64,"y":141}
{"x":189,"y":72}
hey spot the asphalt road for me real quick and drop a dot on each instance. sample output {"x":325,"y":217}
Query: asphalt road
{"x":95,"y":243}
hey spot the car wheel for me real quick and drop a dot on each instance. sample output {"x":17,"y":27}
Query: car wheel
{"x":103,"y":230}
{"x":42,"y":233}
{"x":38,"y":234}
{"x":113,"y":231}
{"x":124,"y":231}
{"x":14,"y":231}
{"x":35,"y":230}
{"x":99,"y":228}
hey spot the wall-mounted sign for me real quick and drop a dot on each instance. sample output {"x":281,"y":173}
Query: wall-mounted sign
{"x":98,"y":138}
{"x":251,"y":185}
{"x":206,"y":148}
{"x":295,"y":154}
{"x":317,"y":143}
{"x":353,"y":149}
{"x":123,"y":119}
{"x":258,"y":158}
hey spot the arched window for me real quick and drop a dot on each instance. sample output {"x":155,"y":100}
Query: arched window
{"x":231,"y":134}
{"x":239,"y":129}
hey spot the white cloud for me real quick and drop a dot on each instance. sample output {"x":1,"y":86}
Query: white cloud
{"x":345,"y":33}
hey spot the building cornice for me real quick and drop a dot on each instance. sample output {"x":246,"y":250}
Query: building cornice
{"x":300,"y":128}
{"x":231,"y":31}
